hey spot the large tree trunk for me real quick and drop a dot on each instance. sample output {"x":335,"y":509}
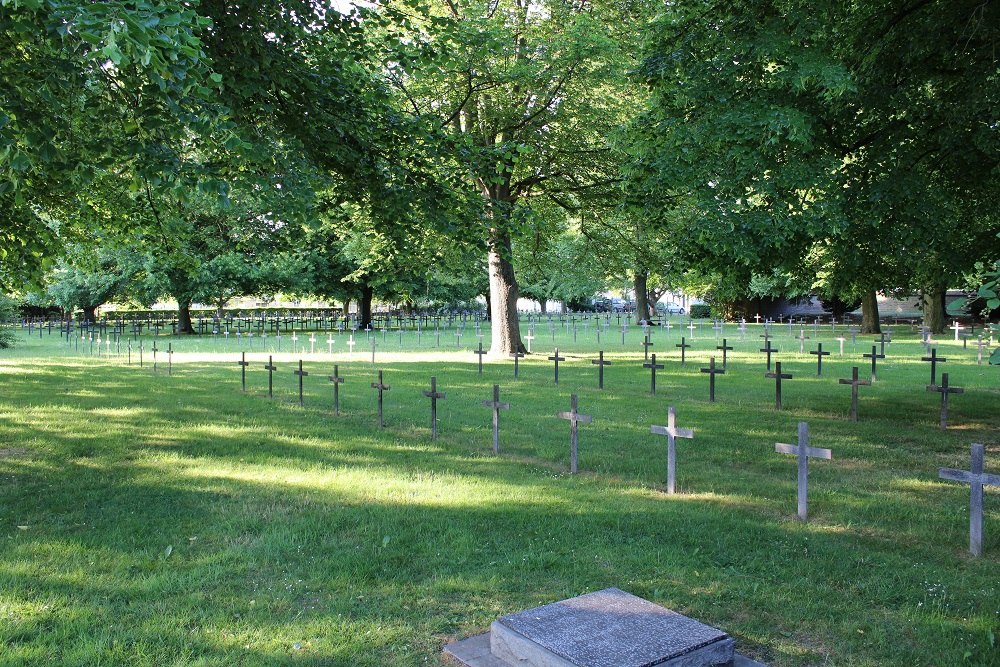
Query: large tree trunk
{"x":543,"y":303}
{"x":504,"y":326}
{"x":365,"y":306}
{"x":869,"y":313}
{"x":90,"y":313}
{"x":641,"y":296}
{"x":933,"y":306}
{"x":184,"y":317}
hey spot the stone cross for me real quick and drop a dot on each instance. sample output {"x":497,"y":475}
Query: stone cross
{"x":855,"y":382}
{"x":841,"y":339}
{"x":874,"y":356}
{"x":652,"y":366}
{"x":976,"y":479}
{"x":243,"y":369}
{"x":769,"y":351}
{"x":778,"y":376}
{"x":935,"y":360}
{"x":556,"y":358}
{"x":944,"y":390}
{"x":692,"y":327}
{"x":270,"y":368}
{"x":718,"y":328}
{"x":957,"y":327}
{"x":336,"y":381}
{"x":170,"y":357}
{"x":712,"y":372}
{"x":574,"y":418}
{"x":646,"y":344}
{"x":757,"y":318}
{"x":979,"y":350}
{"x":725,"y":348}
{"x":312,"y":343}
{"x":601,"y":363}
{"x":458,"y":338}
{"x":295,"y":339}
{"x":301,"y":373}
{"x":434,"y":395}
{"x":497,"y":406}
{"x":882,"y":340}
{"x":480,"y":352}
{"x":530,"y":337}
{"x":802,"y":341}
{"x":517,"y":356}
{"x":381,"y":387}
{"x":373,"y":351}
{"x":819,"y":357}
{"x":350,"y":345}
{"x":155,"y":350}
{"x":804,"y":453}
{"x":672,"y":433}
{"x":329,"y":343}
{"x":684,"y":346}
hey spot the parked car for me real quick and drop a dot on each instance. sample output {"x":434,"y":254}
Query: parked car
{"x":600,"y":305}
{"x":669,"y":308}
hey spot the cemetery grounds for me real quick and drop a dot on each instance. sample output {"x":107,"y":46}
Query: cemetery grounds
{"x":168,"y":518}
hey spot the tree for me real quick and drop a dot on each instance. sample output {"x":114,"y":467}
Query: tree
{"x":87,"y":279}
{"x":854,"y":130}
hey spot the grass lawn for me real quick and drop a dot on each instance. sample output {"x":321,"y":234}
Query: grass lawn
{"x":155,"y":519}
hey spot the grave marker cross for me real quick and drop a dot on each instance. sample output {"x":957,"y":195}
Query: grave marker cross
{"x":301,"y":373}
{"x":855,"y":382}
{"x":270,"y":368}
{"x":652,"y":366}
{"x":935,"y":360}
{"x":712,"y":372}
{"x":434,"y":395}
{"x":874,"y":356}
{"x":769,"y":350}
{"x":497,"y":407}
{"x":381,"y":388}
{"x":480,"y":352}
{"x":802,"y":341}
{"x":646,"y":344}
{"x":336,"y":380}
{"x":672,"y":433}
{"x":725,"y":348}
{"x":819,"y":357}
{"x":517,"y":356}
{"x":956,"y":327}
{"x":243,"y":370}
{"x":684,"y":346}
{"x":574,"y":418}
{"x":556,"y":358}
{"x":778,"y":376}
{"x":944,"y":390}
{"x":804,"y":453}
{"x":601,"y":363}
{"x":976,"y":479}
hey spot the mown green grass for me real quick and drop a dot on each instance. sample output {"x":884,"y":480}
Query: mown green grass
{"x":150,"y":519}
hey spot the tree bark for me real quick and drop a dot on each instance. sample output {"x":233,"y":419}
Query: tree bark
{"x":505,"y":328}
{"x":935,"y":316}
{"x":90,"y":313}
{"x":347,"y":307}
{"x":184,"y":317}
{"x":365,"y":306}
{"x":543,"y":304}
{"x":869,"y":313}
{"x":641,"y":296}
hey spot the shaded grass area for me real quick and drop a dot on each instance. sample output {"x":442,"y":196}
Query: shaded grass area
{"x":155,"y":520}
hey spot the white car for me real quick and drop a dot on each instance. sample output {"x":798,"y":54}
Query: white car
{"x":669,"y":308}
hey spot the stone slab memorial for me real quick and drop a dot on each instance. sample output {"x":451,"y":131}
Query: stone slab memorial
{"x":608,"y":628}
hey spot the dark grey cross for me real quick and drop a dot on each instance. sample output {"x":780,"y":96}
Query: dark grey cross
{"x":855,"y":383}
{"x":802,"y":341}
{"x":819,"y":357}
{"x":517,"y":356}
{"x":373,"y":351}
{"x":874,"y":356}
{"x":170,"y":358}
{"x":672,"y":433}
{"x":129,"y":353}
{"x":646,"y":344}
{"x":769,"y":350}
{"x":336,"y":380}
{"x":381,"y":388}
{"x":725,"y":348}
{"x":458,"y":338}
{"x":434,"y":395}
{"x":497,"y":407}
{"x":574,"y":418}
{"x":684,"y":346}
{"x":712,"y":372}
{"x":777,"y":376}
{"x":976,"y":479}
{"x":301,"y":373}
{"x":882,"y":341}
{"x":270,"y":368}
{"x":944,"y":390}
{"x":652,"y":366}
{"x":481,"y":352}
{"x":935,"y":360}
{"x":601,"y":363}
{"x":155,"y":350}
{"x":556,"y":358}
{"x":804,"y":453}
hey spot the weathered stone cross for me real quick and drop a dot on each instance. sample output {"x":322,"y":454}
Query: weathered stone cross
{"x":574,"y":418}
{"x":480,"y":352}
{"x":804,"y":453}
{"x":601,"y":363}
{"x":497,"y":406}
{"x":725,"y":348}
{"x":819,"y":357}
{"x":556,"y":358}
{"x":652,"y":366}
{"x":712,"y":372}
{"x":646,"y":344}
{"x":270,"y":368}
{"x":336,"y":381}
{"x":976,"y":479}
{"x":935,"y":360}
{"x":944,"y":390}
{"x":778,"y":376}
{"x":672,"y":433}
{"x":381,"y":388}
{"x":769,"y":350}
{"x":855,"y":383}
{"x":684,"y":346}
{"x":302,"y":374}
{"x":517,"y":356}
{"x":434,"y":395}
{"x":874,"y":356}
{"x":243,"y":370}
